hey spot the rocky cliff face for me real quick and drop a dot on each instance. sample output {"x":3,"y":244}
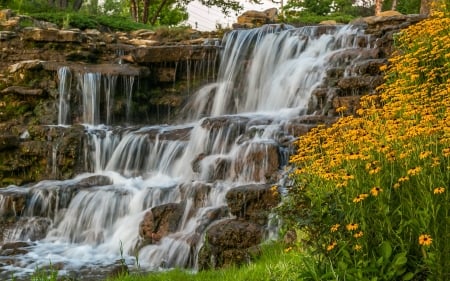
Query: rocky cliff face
{"x":163,"y":72}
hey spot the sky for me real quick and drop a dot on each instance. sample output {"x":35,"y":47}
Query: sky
{"x":205,"y":19}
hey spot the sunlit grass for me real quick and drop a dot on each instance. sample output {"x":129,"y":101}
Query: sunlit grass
{"x":275,"y":263}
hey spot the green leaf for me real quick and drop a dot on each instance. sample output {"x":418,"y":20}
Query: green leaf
{"x":400,"y":260}
{"x":408,"y":276}
{"x":386,"y":250}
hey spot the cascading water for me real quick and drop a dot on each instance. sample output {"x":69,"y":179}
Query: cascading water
{"x":266,"y":77}
{"x":65,"y":78}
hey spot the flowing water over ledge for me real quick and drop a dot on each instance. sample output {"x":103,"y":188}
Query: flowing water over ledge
{"x":234,"y":133}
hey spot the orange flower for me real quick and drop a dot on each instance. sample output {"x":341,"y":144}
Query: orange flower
{"x":425,"y":240}
{"x":352,"y":226}
{"x":375,"y":191}
{"x":335,"y":227}
{"x":439,"y":190}
{"x":331,"y":246}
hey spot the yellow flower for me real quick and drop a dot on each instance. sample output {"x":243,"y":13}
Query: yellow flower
{"x":352,"y":226}
{"x":439,"y":190}
{"x":335,"y":227}
{"x":360,"y":198}
{"x":287,"y":249}
{"x":341,"y":109}
{"x":414,"y":171}
{"x":396,"y":185}
{"x":424,"y":154}
{"x":357,"y":247}
{"x":402,"y":179}
{"x":359,"y":234}
{"x":375,"y":191}
{"x":425,"y":240}
{"x":331,"y":246}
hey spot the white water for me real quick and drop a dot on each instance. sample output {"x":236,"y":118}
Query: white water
{"x":266,"y":77}
{"x":65,"y":78}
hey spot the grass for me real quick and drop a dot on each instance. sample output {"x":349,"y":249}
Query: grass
{"x":275,"y":263}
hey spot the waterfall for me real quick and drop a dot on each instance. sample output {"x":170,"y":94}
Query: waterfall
{"x":110,"y":82}
{"x":65,"y":78}
{"x":235,"y":136}
{"x":90,"y":88}
{"x":277,"y":75}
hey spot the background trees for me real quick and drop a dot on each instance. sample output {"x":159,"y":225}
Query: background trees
{"x":153,"y":12}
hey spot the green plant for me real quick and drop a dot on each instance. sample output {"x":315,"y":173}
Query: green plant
{"x":371,"y":191}
{"x":45,"y":274}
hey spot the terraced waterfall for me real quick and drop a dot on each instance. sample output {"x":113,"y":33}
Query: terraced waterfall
{"x":153,"y":192}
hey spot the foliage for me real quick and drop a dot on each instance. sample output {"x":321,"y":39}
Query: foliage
{"x":403,"y":6}
{"x":372,"y":190}
{"x":83,"y":21}
{"x":307,"y":18}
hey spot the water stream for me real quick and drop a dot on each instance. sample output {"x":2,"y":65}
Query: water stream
{"x":231,"y":128}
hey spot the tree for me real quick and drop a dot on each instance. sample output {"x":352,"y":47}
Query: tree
{"x":378,"y":7}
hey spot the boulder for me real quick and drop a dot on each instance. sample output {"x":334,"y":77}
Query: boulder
{"x":253,"y":202}
{"x":159,"y":221}
{"x":251,"y":19}
{"x":12,"y":204}
{"x":257,"y":162}
{"x":350,"y":103}
{"x":229,"y":242}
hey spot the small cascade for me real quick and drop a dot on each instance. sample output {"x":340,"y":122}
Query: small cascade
{"x":280,"y":74}
{"x":110,"y":83}
{"x":65,"y":82}
{"x":154,"y":191}
{"x":128,"y":82}
{"x":89,"y":84}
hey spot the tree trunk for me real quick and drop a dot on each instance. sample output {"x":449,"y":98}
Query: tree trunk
{"x":145,"y":11}
{"x":158,"y":11}
{"x":378,"y":5}
{"x":63,"y":4}
{"x":134,"y":10}
{"x":77,"y":5}
{"x":425,"y":6}
{"x":394,"y":5}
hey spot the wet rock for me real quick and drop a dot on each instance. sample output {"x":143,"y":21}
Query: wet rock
{"x":30,"y":228}
{"x":367,"y":67}
{"x":12,"y":203}
{"x":350,"y":103}
{"x":360,"y":82}
{"x":24,"y":91}
{"x":117,"y":270}
{"x":160,"y":221}
{"x":9,"y":142}
{"x":97,"y":180}
{"x":229,"y":242}
{"x":14,"y":248}
{"x":258,"y":162}
{"x":253,"y":202}
{"x":197,"y":192}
